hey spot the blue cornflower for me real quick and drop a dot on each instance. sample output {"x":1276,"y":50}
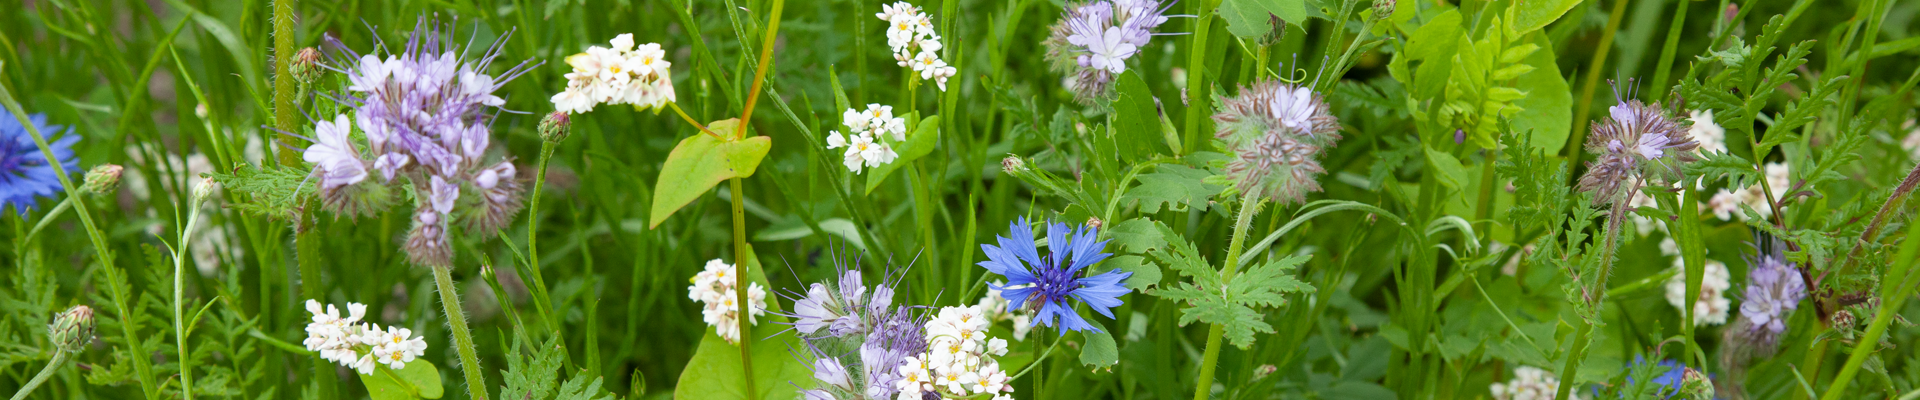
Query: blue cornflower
{"x":24,"y":170}
{"x":1052,"y":280}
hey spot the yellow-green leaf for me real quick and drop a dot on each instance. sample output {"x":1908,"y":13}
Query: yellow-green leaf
{"x":419,"y":380}
{"x":700,"y":162}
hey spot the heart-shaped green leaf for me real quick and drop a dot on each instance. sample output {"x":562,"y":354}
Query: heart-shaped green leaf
{"x":700,"y":162}
{"x":715,"y":372}
{"x":920,"y":142}
{"x":419,"y":380}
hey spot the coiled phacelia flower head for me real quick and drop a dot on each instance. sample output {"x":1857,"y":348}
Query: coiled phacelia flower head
{"x":1275,"y":132}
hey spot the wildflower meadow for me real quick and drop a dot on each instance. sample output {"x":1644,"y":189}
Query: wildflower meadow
{"x":959,"y":199}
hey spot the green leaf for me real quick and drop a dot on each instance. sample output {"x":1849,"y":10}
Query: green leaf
{"x":715,"y":370}
{"x":1171,"y":184}
{"x":1435,"y":38}
{"x":1137,"y":235}
{"x":920,"y":142}
{"x":1535,"y":14}
{"x":700,"y":162}
{"x":581,"y":388}
{"x":1211,"y":298}
{"x":1137,"y":121}
{"x":792,"y":227}
{"x":273,"y":193}
{"x":1100,"y":350}
{"x":1145,"y":274}
{"x":1451,"y":173}
{"x":1251,"y":19}
{"x":1549,"y":103}
{"x":419,"y":380}
{"x":534,"y":375}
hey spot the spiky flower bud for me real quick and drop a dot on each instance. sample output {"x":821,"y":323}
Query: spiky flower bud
{"x":554,"y":127}
{"x":103,"y":179}
{"x":1275,"y":132}
{"x":1013,"y":165}
{"x":427,"y":243}
{"x":71,"y":330}
{"x":306,"y":65}
{"x":1263,"y":371}
{"x":499,"y":200}
{"x":204,"y":190}
{"x":1382,"y":9}
{"x":1696,"y":385}
{"x":1843,"y":321}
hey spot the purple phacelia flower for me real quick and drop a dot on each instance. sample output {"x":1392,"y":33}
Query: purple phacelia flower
{"x":1774,"y":290}
{"x":1046,"y":284}
{"x":1093,"y":41}
{"x":846,"y":323}
{"x":25,"y":173}
{"x":1275,"y":132}
{"x":1636,"y":144}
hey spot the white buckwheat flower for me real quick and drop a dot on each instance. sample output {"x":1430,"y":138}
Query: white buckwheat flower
{"x":1712,"y":305}
{"x":714,"y":289}
{"x":357,"y":344}
{"x":623,"y":74}
{"x":1529,"y":383}
{"x":866,"y":139}
{"x":914,"y":43}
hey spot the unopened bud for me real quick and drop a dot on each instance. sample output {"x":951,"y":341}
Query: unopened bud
{"x":204,"y":190}
{"x":1382,"y":9}
{"x":1013,"y":165}
{"x":1843,"y":320}
{"x":1094,"y":222}
{"x":71,"y":330}
{"x":1459,"y":136}
{"x":1733,"y":11}
{"x":102,"y":179}
{"x":554,"y":127}
{"x":1262,"y":371}
{"x":1696,"y":385}
{"x":306,"y":65}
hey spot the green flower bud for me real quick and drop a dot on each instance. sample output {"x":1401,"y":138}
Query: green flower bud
{"x":203,"y":191}
{"x":554,"y":127}
{"x":71,"y":330}
{"x":306,"y":65}
{"x":103,"y":179}
{"x":1382,"y":9}
{"x":1695,"y":385}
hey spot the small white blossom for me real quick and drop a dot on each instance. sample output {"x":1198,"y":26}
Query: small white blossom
{"x":914,"y":43}
{"x":720,"y":308}
{"x":1712,"y":138}
{"x":1710,"y":308}
{"x":1529,"y":383}
{"x":623,"y":74}
{"x":356,"y":344}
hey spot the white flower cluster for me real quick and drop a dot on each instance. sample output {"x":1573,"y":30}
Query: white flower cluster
{"x":714,"y":289}
{"x":959,"y":360}
{"x":1711,"y":137}
{"x":1726,"y":204}
{"x":1529,"y":383}
{"x":995,"y":308}
{"x":867,"y":132}
{"x":359,"y":345}
{"x":915,"y":45}
{"x":624,"y":74}
{"x":1712,"y":305}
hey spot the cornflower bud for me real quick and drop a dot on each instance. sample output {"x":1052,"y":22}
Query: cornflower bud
{"x":1382,"y":9}
{"x":554,"y":127}
{"x":71,"y":330}
{"x":102,"y":179}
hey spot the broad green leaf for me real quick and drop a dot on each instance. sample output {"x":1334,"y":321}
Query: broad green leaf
{"x":1100,"y":351}
{"x":1136,"y":120}
{"x":920,"y":141}
{"x":1145,"y":274}
{"x":1250,"y":19}
{"x":792,"y":227}
{"x":1451,"y":173}
{"x":419,"y":380}
{"x":1137,"y":235}
{"x":1535,"y":14}
{"x":1548,"y":118}
{"x":700,"y":162}
{"x":715,"y":371}
{"x":1435,"y":38}
{"x":1177,"y":187}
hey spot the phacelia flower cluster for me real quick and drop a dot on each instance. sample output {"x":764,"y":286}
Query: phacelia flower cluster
{"x":25,"y":173}
{"x":424,"y":112}
{"x":1529,"y":383}
{"x":1093,"y":41}
{"x":1048,"y":286}
{"x":1275,"y":132}
{"x":623,"y":74}
{"x":857,"y":338}
{"x":1711,"y":307}
{"x":1774,"y":290}
{"x":356,"y":344}
{"x":714,"y":289}
{"x":1636,"y":145}
{"x":959,"y":361}
{"x":867,"y":137}
{"x":915,"y":45}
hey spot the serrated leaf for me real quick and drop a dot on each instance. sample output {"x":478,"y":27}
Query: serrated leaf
{"x":533,"y":376}
{"x":581,"y":388}
{"x":1517,"y":53}
{"x":1172,"y":184}
{"x":274,"y":193}
{"x":1251,"y":19}
{"x":700,"y":162}
{"x":920,"y":142}
{"x":1145,"y":274}
{"x":1451,"y":173}
{"x":1136,"y":121}
{"x":1212,"y":299}
{"x":1137,"y":235}
{"x":1504,"y":94}
{"x":1511,"y":71}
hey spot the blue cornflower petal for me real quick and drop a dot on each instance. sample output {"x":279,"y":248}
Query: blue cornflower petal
{"x":1047,"y":283}
{"x":1102,"y":292}
{"x":25,"y":173}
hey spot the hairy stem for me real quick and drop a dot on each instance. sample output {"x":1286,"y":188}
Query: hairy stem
{"x":1596,"y":297}
{"x":1896,"y":289}
{"x":533,"y":230}
{"x":1197,"y":85}
{"x":284,"y":88}
{"x":1210,"y":361}
{"x":59,"y":359}
{"x":462,"y":339}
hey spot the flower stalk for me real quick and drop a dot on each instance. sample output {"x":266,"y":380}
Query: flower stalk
{"x":1249,"y":206}
{"x":462,"y":339}
{"x":739,"y":214}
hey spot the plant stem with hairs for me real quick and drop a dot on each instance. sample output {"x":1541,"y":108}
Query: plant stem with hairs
{"x":462,"y":339}
{"x":1249,"y":206}
{"x":1595,"y":297}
